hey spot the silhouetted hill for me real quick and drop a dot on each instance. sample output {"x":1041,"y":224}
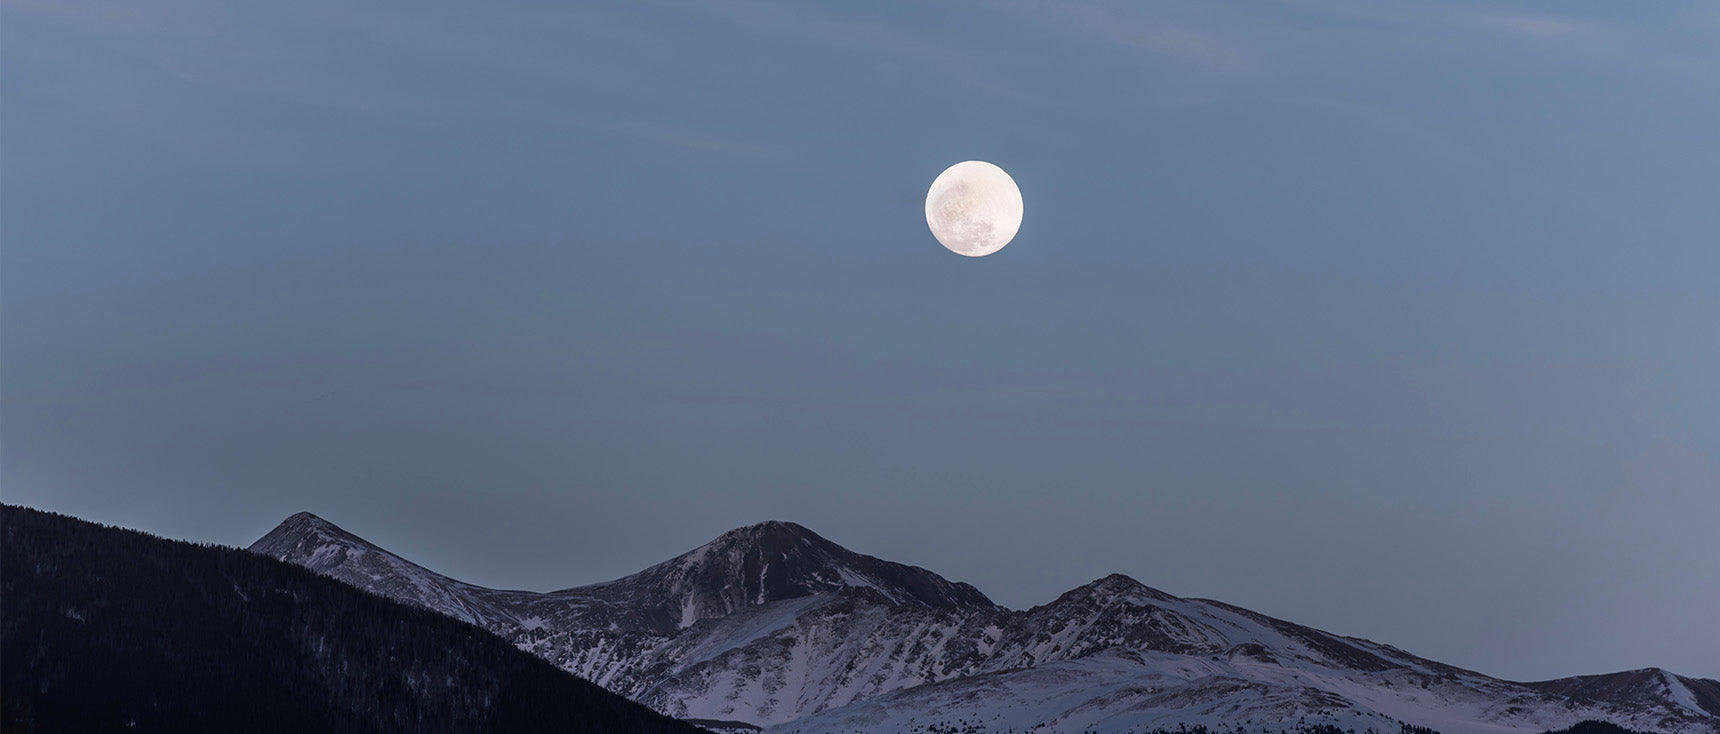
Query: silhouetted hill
{"x":105,"y":629}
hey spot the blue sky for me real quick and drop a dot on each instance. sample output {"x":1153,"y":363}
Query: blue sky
{"x":1397,"y":319}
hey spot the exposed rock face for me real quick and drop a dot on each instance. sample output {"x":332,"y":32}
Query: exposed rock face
{"x":776,"y":626}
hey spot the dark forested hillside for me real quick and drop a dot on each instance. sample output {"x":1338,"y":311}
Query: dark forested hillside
{"x":106,"y":629}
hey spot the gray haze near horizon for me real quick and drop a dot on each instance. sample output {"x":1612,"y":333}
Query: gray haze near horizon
{"x":1396,"y":319}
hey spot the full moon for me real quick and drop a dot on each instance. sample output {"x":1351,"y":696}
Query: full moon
{"x":974,"y":208}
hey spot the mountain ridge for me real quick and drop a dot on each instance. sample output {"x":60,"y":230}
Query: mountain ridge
{"x":832,"y":639}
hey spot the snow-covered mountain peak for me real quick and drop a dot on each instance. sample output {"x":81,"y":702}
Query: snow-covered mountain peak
{"x":310,"y":541}
{"x":326,"y":548}
{"x":1111,"y":589}
{"x":305,"y":522}
{"x":776,"y":561}
{"x":771,"y":540}
{"x":781,"y":530}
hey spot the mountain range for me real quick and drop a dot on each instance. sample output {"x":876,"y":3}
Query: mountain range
{"x":774,"y":627}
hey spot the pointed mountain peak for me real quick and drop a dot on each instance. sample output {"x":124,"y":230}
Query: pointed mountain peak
{"x":321,"y":546}
{"x":768,"y":528}
{"x":305,"y":520}
{"x":303,"y":535}
{"x":775,"y":526}
{"x":303,"y":531}
{"x":1118,"y":581}
{"x":1113,"y":587}
{"x":776,"y":560}
{"x":771,"y":526}
{"x":774,"y":537}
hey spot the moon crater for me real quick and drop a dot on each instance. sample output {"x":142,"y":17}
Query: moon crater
{"x":974,"y":208}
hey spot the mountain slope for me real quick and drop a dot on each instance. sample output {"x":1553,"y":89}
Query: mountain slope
{"x":775,"y":626}
{"x":309,"y":541}
{"x":773,"y":561}
{"x":1636,"y":687}
{"x":754,"y":565}
{"x":107,"y":629}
